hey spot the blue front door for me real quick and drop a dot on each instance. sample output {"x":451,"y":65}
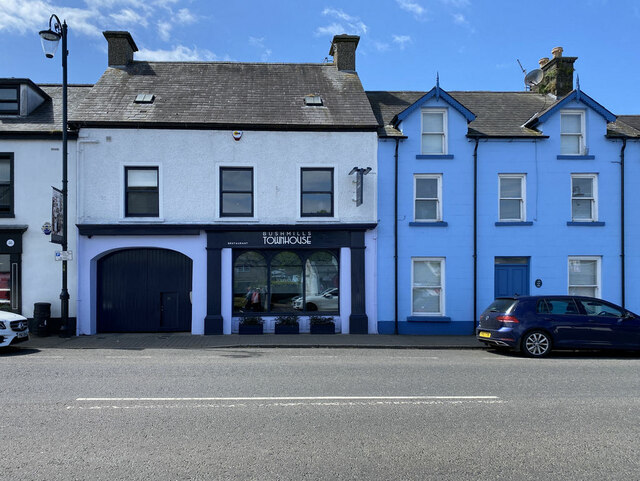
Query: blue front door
{"x":511,"y":279}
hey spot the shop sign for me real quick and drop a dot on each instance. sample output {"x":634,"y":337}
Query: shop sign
{"x":286,"y":238}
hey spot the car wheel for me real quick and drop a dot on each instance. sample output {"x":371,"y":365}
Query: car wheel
{"x":311,"y":306}
{"x":536,"y":344}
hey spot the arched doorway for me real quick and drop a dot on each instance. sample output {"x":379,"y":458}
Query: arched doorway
{"x":144,"y":290}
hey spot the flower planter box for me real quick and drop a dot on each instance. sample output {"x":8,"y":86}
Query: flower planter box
{"x":250,"y":329}
{"x":328,"y":328}
{"x":287,"y":329}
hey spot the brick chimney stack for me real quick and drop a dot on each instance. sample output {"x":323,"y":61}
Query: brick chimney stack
{"x":558,"y":74}
{"x":121,"y":48}
{"x":343,"y":50}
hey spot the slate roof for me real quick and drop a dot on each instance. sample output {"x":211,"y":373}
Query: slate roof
{"x":625,"y":126}
{"x":498,"y":114}
{"x":227,"y":95}
{"x":47,"y":118}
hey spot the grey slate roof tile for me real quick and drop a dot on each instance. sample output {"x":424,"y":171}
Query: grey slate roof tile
{"x":228,"y":93}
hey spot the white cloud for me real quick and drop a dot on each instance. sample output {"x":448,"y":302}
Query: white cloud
{"x":457,"y":3}
{"x":459,"y":19}
{"x":185,"y":17}
{"x":179,"y":53}
{"x":381,"y":46}
{"x":401,"y":40}
{"x":164,"y":30}
{"x":128,"y":17}
{"x":259,"y":43}
{"x":353,"y":24}
{"x":412,"y":7}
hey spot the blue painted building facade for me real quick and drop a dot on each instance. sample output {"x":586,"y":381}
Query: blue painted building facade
{"x":486,"y":194}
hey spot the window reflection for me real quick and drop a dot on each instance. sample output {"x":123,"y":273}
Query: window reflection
{"x":250,"y":283}
{"x":286,"y":280}
{"x":321,"y":281}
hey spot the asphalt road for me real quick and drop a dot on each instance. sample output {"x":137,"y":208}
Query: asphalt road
{"x":306,"y":414}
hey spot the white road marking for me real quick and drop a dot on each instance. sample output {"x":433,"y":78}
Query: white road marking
{"x":131,"y":356}
{"x":287,"y":398}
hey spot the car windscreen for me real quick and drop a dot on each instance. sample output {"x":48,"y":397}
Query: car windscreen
{"x":502,"y":305}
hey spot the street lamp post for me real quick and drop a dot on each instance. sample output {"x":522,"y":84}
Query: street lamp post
{"x":50,"y":39}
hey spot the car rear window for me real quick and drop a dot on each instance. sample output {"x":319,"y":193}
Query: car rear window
{"x":502,"y":305}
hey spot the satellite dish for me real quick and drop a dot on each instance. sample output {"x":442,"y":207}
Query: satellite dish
{"x":533,"y":78}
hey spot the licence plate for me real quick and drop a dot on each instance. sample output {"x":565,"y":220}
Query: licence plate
{"x":484,"y":334}
{"x":22,"y":334}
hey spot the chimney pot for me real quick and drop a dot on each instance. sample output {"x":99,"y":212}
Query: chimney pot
{"x":121,"y":48}
{"x":343,"y":50}
{"x":543,"y":61}
{"x":557,"y":52}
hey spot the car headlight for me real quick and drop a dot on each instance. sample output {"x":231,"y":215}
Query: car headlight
{"x":2,"y":325}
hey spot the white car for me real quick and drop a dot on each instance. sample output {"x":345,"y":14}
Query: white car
{"x":13,"y":328}
{"x":327,"y":300}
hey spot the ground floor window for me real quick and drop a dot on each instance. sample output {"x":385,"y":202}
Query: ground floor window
{"x":9,"y":286}
{"x":584,"y":276}
{"x":427,"y":286}
{"x":285,"y":281}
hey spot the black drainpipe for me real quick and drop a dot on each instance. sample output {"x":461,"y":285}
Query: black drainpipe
{"x":622,"y":253}
{"x":395,"y":241}
{"x":475,"y":234}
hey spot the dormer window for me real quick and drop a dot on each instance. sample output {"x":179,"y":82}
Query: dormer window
{"x":434,"y":131}
{"x":9,"y":100}
{"x":572,"y":138}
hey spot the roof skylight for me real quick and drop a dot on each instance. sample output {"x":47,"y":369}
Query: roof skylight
{"x":144,"y":98}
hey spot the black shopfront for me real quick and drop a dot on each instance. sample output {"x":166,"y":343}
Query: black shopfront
{"x":286,"y":270}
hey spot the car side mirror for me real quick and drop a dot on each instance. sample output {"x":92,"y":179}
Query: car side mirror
{"x":628,"y":315}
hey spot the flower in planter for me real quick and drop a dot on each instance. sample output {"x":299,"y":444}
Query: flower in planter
{"x":251,"y":321}
{"x":320,"y":320}
{"x":287,"y":320}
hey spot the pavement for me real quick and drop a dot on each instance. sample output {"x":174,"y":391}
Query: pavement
{"x":188,"y":341}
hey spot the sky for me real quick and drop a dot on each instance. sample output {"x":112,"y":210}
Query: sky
{"x":404,"y":44}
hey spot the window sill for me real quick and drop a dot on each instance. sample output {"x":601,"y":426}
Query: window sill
{"x":428,"y":319}
{"x":586,"y":224}
{"x":504,"y":224}
{"x":576,"y":157}
{"x":141,"y":220}
{"x":434,"y":156}
{"x":428,"y":224}
{"x":7,"y":216}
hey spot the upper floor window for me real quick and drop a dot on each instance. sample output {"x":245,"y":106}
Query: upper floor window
{"x":6,"y":185}
{"x":9,"y":100}
{"x":584,"y":188}
{"x":572,"y":141}
{"x":428,"y":195}
{"x":584,"y":276}
{"x":512,"y":197}
{"x":142,"y":195}
{"x":236,"y":192}
{"x":316,"y":192}
{"x":434,"y":132}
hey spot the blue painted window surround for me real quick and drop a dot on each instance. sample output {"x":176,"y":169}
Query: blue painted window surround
{"x":503,"y":224}
{"x":434,"y":156}
{"x":428,"y":224}
{"x":576,"y":157}
{"x":586,"y":224}
{"x":428,"y":319}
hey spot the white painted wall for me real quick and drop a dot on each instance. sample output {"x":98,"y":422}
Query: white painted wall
{"x":189,"y":163}
{"x":38,"y":167}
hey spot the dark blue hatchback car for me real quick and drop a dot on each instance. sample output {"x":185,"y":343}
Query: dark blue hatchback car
{"x":535,"y":325}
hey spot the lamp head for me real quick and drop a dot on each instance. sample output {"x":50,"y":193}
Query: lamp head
{"x":51,"y":38}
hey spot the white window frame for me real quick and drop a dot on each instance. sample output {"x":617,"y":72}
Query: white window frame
{"x":522,"y":198}
{"x":438,"y":199}
{"x":581,"y":135}
{"x":444,"y":133}
{"x":594,"y":199}
{"x":598,"y":286}
{"x":441,"y":311}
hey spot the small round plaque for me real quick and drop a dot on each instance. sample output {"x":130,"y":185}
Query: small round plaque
{"x":10,"y":242}
{"x":538,"y":282}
